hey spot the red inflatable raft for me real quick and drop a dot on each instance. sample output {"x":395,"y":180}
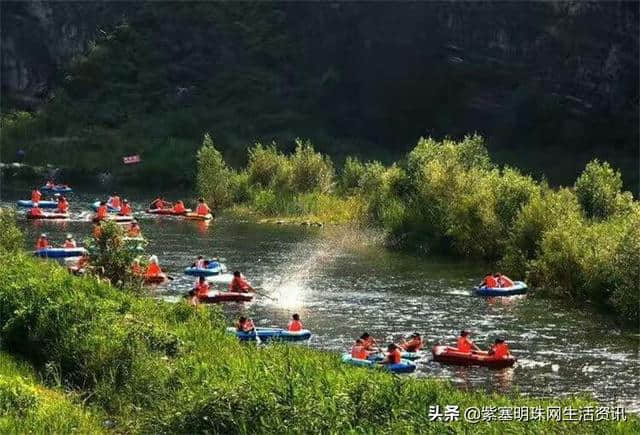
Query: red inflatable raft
{"x":451,"y":355}
{"x":156,"y":279}
{"x":167,"y":211}
{"x":215,"y":297}
{"x":48,"y":216}
{"x":117,"y":219}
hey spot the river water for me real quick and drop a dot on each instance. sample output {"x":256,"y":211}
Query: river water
{"x":343,"y":283}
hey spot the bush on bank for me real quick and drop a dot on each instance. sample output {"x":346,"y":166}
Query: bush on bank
{"x":448,"y":197}
{"x":156,"y":367}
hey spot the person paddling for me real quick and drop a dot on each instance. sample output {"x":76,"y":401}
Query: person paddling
{"x":179,"y":207}
{"x":102,"y":211}
{"x":500,"y":349}
{"x":503,"y":280}
{"x":358,"y":351}
{"x":369,"y":342}
{"x":114,"y":201}
{"x":35,"y":210}
{"x":489,"y":281}
{"x":153,"y":269}
{"x":42,"y":242}
{"x":414,"y":344}
{"x":134,"y":230}
{"x":157,"y":203}
{"x":63,"y":205}
{"x":69,"y":242}
{"x":202,"y":209}
{"x":126,"y":209}
{"x":36,"y":196}
{"x":295,"y":325}
{"x":200,"y":291}
{"x":393,"y":355}
{"x":245,"y":324}
{"x":199,"y":263}
{"x":239,"y":284}
{"x":465,"y":344}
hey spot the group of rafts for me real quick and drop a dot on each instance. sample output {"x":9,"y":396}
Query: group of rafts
{"x":365,"y":352}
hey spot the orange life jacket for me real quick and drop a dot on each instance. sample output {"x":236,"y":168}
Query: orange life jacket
{"x":238,"y":285}
{"x":69,"y":244}
{"x":179,"y":207}
{"x":202,"y":289}
{"x":42,"y":243}
{"x":133,"y":231}
{"x":295,"y":326}
{"x":102,"y":212}
{"x":413,"y":345}
{"x":35,"y":211}
{"x":394,"y":357}
{"x":490,"y":281}
{"x":115,"y":201}
{"x":136,"y":269}
{"x":202,"y":209}
{"x":125,"y":210}
{"x":35,"y":195}
{"x":500,"y":350}
{"x":369,"y":343}
{"x":464,"y":345}
{"x":153,"y":270}
{"x":63,"y":206}
{"x":358,"y":351}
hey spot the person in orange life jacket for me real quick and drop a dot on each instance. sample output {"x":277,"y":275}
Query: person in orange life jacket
{"x":358,"y":351}
{"x":97,"y":230}
{"x":35,"y":210}
{"x":114,"y":201}
{"x":202,"y":209}
{"x":465,"y":344}
{"x":503,"y":280}
{"x":295,"y":325}
{"x":414,"y":343}
{"x":178,"y":207}
{"x":239,"y":284}
{"x":81,"y":265}
{"x":69,"y":242}
{"x":134,"y":230}
{"x":36,"y":196}
{"x":200,"y":291}
{"x":102,"y":211}
{"x":42,"y":242}
{"x":368,"y":341}
{"x":63,"y":204}
{"x":157,"y":203}
{"x":153,"y":269}
{"x":393,"y":355}
{"x":136,"y":269}
{"x":489,"y":281}
{"x":126,"y":209}
{"x":245,"y":325}
{"x":500,"y":349}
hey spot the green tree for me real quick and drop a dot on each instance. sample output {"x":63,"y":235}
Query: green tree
{"x":213,"y":177}
{"x":11,"y":238}
{"x":111,"y":257}
{"x":598,"y":189}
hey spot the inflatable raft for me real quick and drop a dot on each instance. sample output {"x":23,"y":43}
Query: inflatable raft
{"x":160,"y":279}
{"x":217,"y":297}
{"x":116,"y":219}
{"x":451,"y":355}
{"x":58,"y":188}
{"x":411,"y":356}
{"x":60,"y":252}
{"x":405,"y":366}
{"x":48,"y":216}
{"x":110,"y":209}
{"x":198,"y":217}
{"x":518,"y":288}
{"x":42,"y":204}
{"x":214,"y":268}
{"x":167,"y":211}
{"x":273,"y":334}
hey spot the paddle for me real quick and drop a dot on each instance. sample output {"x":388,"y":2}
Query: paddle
{"x":255,"y":331}
{"x":263,"y":294}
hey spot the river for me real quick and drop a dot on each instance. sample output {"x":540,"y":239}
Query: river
{"x":343,"y":283}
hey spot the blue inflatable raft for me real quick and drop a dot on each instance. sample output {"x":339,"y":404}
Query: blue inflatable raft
{"x":60,"y":252}
{"x":405,"y":366}
{"x":96,"y":204}
{"x":518,"y":288}
{"x":273,"y":334}
{"x":42,"y":204}
{"x":411,"y":356}
{"x":57,"y":189}
{"x":213,"y":268}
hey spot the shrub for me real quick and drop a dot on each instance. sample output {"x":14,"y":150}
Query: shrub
{"x":213,"y":178}
{"x":625,"y":297}
{"x":310,"y":171}
{"x":598,"y":190}
{"x":11,"y":238}
{"x":351,"y":176}
{"x":269,"y":168}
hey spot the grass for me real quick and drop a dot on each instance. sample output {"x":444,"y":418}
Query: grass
{"x":156,"y":367}
{"x":26,"y":406}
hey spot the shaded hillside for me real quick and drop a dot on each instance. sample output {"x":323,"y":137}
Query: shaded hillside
{"x":537,"y":79}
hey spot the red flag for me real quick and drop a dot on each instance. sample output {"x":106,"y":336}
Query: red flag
{"x":131,"y":159}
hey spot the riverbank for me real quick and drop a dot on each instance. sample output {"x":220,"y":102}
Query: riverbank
{"x":136,"y":358}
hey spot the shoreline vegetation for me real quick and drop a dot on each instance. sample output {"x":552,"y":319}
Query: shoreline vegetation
{"x":142,"y":365}
{"x":448,"y":197}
